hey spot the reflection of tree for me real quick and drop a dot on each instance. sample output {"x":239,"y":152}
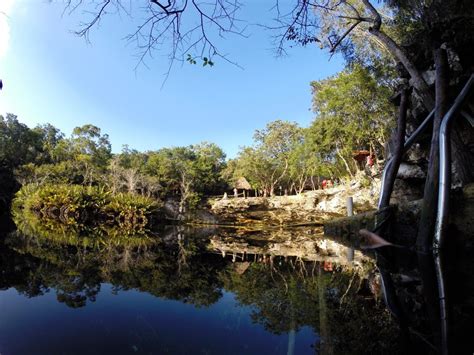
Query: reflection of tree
{"x":282,"y":300}
{"x":75,"y":290}
{"x":195,"y":283}
{"x":16,"y":271}
{"x":285,"y":294}
{"x":285,"y":298}
{"x":80,"y":235}
{"x":76,"y":272}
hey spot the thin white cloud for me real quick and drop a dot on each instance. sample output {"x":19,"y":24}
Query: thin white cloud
{"x":5,"y":11}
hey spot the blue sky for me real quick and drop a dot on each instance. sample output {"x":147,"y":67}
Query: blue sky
{"x":51,"y":75}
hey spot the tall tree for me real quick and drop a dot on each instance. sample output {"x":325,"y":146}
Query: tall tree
{"x":353,"y":112}
{"x":18,"y":143}
{"x":266,"y":163}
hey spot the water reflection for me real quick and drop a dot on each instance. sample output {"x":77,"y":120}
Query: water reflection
{"x":189,"y":291}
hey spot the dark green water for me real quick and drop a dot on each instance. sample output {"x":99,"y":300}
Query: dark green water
{"x":189,"y":291}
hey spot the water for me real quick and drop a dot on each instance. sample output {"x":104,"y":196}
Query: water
{"x":130,"y":322}
{"x":189,"y":291}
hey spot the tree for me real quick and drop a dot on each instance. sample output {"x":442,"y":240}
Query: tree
{"x":126,"y":172}
{"x":274,"y":144}
{"x":50,"y":138}
{"x":49,"y":157}
{"x":251,"y":164}
{"x":88,"y":140}
{"x":210,"y":161}
{"x":192,"y":171}
{"x":353,"y":112}
{"x":187,"y":29}
{"x":266,"y":164}
{"x":91,"y":150}
{"x":304,"y":165}
{"x":18,"y":143}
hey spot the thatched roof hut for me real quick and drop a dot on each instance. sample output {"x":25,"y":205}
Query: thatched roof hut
{"x":242,"y":184}
{"x":360,"y":155}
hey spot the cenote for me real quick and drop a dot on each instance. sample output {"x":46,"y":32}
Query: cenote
{"x":180,"y":290}
{"x":183,"y":290}
{"x":310,"y":204}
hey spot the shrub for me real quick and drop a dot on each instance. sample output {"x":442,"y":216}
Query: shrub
{"x":85,"y":205}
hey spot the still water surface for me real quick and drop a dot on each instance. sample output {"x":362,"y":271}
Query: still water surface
{"x":190,"y":291}
{"x":130,"y":322}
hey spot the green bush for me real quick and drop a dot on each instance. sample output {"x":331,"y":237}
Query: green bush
{"x":131,"y":210}
{"x":85,"y":205}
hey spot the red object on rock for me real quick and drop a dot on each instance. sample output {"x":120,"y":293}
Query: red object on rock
{"x":370,"y":161}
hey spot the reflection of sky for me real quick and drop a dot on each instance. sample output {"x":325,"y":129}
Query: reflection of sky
{"x":134,"y":322}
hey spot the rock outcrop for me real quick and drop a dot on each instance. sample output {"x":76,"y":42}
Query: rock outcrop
{"x":311,"y":207}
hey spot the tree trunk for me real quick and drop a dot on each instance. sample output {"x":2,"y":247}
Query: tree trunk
{"x":398,"y":53}
{"x":398,"y":152}
{"x":185,"y":187}
{"x":345,"y":162}
{"x":430,"y":196}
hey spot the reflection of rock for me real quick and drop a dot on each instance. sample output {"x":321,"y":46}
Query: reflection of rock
{"x":300,"y":246}
{"x":240,"y":268}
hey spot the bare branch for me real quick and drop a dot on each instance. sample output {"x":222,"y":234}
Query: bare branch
{"x":84,"y":32}
{"x":181,"y":27}
{"x":349,"y":30}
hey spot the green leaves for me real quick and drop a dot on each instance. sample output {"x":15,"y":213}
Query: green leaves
{"x":353,"y":112}
{"x":205,"y":60}
{"x":194,"y":170}
{"x":190,"y":59}
{"x":265,"y":164}
{"x":82,"y":205}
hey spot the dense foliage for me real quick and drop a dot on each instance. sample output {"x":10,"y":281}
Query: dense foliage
{"x":42,"y":156}
{"x":353,"y":112}
{"x":79,"y":206}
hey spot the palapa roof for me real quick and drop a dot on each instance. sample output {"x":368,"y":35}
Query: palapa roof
{"x":242,"y":184}
{"x":360,"y":155}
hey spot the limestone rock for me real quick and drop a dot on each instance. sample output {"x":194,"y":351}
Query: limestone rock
{"x":310,"y":207}
{"x":410,"y":171}
{"x":429,"y":76}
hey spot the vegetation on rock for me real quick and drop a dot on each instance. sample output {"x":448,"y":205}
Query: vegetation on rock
{"x":77,"y":206}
